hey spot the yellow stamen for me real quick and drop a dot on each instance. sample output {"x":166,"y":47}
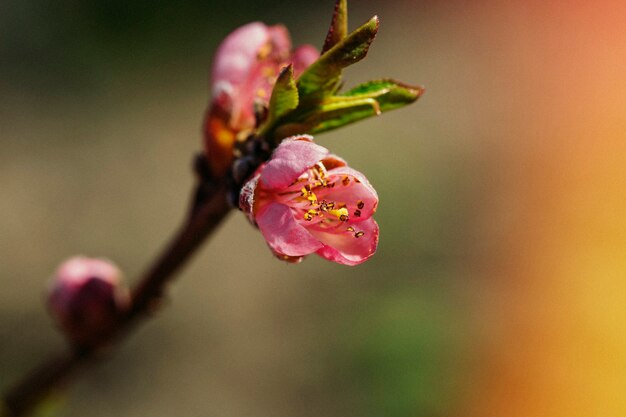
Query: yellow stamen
{"x":308,"y":216}
{"x":325,"y":205}
{"x":321,"y":170}
{"x":330,"y":205}
{"x":341,"y":214}
{"x":308,"y":194}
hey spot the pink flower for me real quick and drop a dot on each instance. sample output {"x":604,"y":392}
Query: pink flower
{"x":86,"y":298}
{"x":245,"y":69}
{"x":306,"y":200}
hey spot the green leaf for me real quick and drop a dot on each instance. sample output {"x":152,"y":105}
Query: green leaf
{"x":338,"y":29}
{"x":376,"y":88}
{"x":366,"y":100}
{"x":322,"y":78}
{"x":284,"y":95}
{"x":284,"y":99}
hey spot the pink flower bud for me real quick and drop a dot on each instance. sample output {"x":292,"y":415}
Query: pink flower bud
{"x":245,"y":69}
{"x":86,"y":299}
{"x":306,"y":200}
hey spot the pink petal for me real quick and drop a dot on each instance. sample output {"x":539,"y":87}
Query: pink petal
{"x":351,"y":194}
{"x":292,"y":157}
{"x":332,"y":161}
{"x":80,"y":268}
{"x":237,"y":54}
{"x":304,"y":56}
{"x":281,"y":42}
{"x":240,"y":70}
{"x":282,"y":233}
{"x":343,"y":247}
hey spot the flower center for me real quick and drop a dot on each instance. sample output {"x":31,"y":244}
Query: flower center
{"x":323,"y":213}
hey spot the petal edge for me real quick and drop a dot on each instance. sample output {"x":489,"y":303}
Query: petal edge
{"x":283,"y":234}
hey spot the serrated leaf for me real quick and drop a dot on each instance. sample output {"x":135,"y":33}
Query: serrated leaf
{"x":338,"y":29}
{"x":322,"y":78}
{"x":366,"y":100}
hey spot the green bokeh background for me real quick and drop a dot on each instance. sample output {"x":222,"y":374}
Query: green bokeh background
{"x":101,"y":104}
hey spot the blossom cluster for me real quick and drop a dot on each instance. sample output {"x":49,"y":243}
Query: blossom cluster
{"x":304,"y":199}
{"x":267,"y":101}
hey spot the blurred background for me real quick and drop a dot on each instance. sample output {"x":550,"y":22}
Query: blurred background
{"x":499,"y":286}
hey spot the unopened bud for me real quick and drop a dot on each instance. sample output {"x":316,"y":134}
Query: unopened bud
{"x":86,"y":299}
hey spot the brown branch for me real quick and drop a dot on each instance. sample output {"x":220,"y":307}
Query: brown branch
{"x":209,"y":208}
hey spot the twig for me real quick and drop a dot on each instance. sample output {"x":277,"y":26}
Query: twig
{"x":209,"y":208}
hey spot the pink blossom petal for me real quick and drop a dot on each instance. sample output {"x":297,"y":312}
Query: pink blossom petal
{"x":281,"y":42}
{"x":304,"y":56}
{"x":282,"y":233}
{"x":353,"y":189}
{"x":332,"y":161}
{"x":292,"y":157}
{"x":79,"y":269}
{"x":341,"y":245}
{"x":238,"y":53}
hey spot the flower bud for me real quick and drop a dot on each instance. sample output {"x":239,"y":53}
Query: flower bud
{"x":245,"y":69}
{"x":86,"y":299}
